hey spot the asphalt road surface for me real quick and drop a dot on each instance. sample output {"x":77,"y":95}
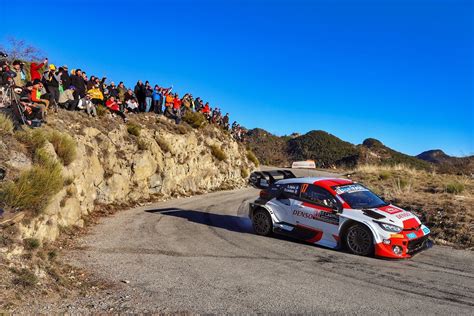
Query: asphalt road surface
{"x":199,"y":255}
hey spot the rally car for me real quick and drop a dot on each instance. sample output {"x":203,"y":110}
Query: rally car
{"x":334,"y":213}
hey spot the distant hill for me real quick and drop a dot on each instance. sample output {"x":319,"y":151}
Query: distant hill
{"x":449,"y":164}
{"x":329,"y":151}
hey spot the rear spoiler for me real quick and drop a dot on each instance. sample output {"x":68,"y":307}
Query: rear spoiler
{"x":264,"y":179}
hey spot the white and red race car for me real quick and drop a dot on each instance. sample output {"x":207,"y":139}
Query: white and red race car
{"x":335,"y":213}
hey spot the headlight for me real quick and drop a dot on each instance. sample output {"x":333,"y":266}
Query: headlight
{"x":390,"y":227}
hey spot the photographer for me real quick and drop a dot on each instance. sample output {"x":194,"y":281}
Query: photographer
{"x":20,"y":77}
{"x":52,"y":82}
{"x":27,"y":111}
{"x":36,"y":96}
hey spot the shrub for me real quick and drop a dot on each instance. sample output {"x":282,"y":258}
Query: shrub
{"x":101,"y":110}
{"x":218,"y":153}
{"x":32,"y":139}
{"x":25,"y":278}
{"x":164,"y":145}
{"x":6,"y":125}
{"x":52,"y":254}
{"x":251,"y":157}
{"x":31,"y":243}
{"x":384,"y":175}
{"x":133,"y":129}
{"x":244,"y":173}
{"x":195,"y":119}
{"x":64,"y":146}
{"x":34,"y":188}
{"x":455,"y":188}
{"x":143,"y":144}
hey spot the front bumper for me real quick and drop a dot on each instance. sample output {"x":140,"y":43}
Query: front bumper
{"x":407,"y":247}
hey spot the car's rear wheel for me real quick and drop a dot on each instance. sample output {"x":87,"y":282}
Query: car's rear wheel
{"x":359,"y":240}
{"x":262,"y":223}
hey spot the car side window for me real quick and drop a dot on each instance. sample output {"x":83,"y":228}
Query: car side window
{"x":290,"y":190}
{"x":317,"y":195}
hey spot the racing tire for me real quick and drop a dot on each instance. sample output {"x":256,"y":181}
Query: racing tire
{"x":359,"y":240}
{"x":262,"y":223}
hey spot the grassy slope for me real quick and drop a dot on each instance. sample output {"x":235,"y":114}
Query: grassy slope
{"x":443,"y":202}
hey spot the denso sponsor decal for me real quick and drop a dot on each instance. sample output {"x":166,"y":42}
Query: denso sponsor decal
{"x":411,"y":236}
{"x":319,"y":216}
{"x":350,"y":189}
{"x":426,"y":230}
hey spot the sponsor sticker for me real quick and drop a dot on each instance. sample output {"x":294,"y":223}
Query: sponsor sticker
{"x":292,"y":189}
{"x":350,"y":189}
{"x":403,"y":215}
{"x":411,"y":236}
{"x":426,"y":230}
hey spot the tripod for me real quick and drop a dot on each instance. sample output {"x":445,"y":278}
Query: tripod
{"x":9,"y":97}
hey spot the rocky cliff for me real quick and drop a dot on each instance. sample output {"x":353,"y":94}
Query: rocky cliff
{"x":115,"y":164}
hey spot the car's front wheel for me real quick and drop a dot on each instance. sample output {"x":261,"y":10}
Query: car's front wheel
{"x":262,"y":223}
{"x":359,"y":240}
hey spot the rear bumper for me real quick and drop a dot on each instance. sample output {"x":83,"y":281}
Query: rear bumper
{"x":408,"y":247}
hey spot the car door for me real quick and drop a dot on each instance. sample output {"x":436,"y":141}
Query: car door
{"x":284,"y":203}
{"x":317,"y":210}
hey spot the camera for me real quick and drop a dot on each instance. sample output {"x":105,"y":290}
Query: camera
{"x":3,"y":55}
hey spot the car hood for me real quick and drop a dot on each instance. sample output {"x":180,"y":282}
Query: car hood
{"x":394,"y":215}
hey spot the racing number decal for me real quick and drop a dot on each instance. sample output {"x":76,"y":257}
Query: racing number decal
{"x":304,"y":187}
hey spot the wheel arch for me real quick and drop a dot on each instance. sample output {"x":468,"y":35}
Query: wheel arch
{"x":348,"y":223}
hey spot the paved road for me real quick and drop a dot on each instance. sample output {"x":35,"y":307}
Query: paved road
{"x":199,"y":255}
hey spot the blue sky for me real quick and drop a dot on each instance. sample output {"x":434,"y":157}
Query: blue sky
{"x":399,"y":71}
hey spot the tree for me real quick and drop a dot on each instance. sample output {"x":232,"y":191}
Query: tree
{"x":19,"y":49}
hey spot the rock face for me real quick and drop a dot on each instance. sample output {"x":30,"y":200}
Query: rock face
{"x":115,"y":167}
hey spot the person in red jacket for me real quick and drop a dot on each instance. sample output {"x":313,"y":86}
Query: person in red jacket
{"x":34,"y":70}
{"x":114,"y":107}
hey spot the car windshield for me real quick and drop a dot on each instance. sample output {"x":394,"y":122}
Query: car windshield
{"x":359,"y":197}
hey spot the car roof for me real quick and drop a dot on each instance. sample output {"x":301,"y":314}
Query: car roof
{"x":320,"y":181}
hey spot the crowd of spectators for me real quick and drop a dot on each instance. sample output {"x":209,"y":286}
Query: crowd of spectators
{"x":47,"y":88}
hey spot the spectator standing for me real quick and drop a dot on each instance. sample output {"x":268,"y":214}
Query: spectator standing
{"x":20,"y":77}
{"x":140,"y":94}
{"x":148,"y":96}
{"x":113,"y":91}
{"x":121,"y":92}
{"x":34,"y":69}
{"x":77,"y":80}
{"x":157,"y":100}
{"x":52,"y":82}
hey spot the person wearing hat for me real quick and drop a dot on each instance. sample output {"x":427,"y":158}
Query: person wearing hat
{"x":40,"y":105}
{"x":52,"y":82}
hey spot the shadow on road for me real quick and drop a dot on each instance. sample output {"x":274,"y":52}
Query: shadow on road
{"x":229,"y":222}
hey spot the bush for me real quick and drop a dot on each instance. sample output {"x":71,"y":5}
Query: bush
{"x":165,"y":147}
{"x":384,"y":175}
{"x":64,"y":146}
{"x":251,"y":157}
{"x":35,"y":187}
{"x":244,"y":173}
{"x":143,"y":144}
{"x":6,"y":125}
{"x":455,"y":188}
{"x":133,"y":129}
{"x":101,"y":110}
{"x":32,"y":139}
{"x":25,"y":278}
{"x":195,"y":119}
{"x":218,"y":153}
{"x":31,"y":243}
